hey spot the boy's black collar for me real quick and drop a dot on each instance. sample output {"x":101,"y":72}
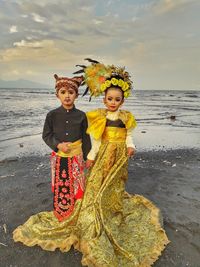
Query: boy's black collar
{"x":67,"y":110}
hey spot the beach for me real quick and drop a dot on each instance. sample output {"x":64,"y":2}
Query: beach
{"x":168,"y":178}
{"x":165,"y":169}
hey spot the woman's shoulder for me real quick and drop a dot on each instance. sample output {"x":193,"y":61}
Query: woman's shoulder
{"x":128,"y":118}
{"x":96,"y":113}
{"x":97,"y":122}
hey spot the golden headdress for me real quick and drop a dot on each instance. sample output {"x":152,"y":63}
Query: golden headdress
{"x":99,"y":77}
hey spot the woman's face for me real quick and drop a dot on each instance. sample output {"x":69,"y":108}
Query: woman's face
{"x":113,"y":99}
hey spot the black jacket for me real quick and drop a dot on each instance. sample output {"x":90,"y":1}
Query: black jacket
{"x":63,"y":125}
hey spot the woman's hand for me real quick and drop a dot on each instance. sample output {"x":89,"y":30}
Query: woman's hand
{"x":130,"y":152}
{"x":64,"y":147}
{"x":89,"y":163}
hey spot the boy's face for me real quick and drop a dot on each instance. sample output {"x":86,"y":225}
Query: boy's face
{"x":113,"y":99}
{"x":67,"y":97}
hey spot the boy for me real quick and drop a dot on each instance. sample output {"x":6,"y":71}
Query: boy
{"x":65,"y":132}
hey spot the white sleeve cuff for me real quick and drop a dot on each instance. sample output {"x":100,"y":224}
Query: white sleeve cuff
{"x":94,"y":150}
{"x":129,"y":139}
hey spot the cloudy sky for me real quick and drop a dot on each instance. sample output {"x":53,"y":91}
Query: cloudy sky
{"x":157,"y":40}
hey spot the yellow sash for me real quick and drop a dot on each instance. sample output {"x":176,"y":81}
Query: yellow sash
{"x":114,"y":134}
{"x":75,"y":148}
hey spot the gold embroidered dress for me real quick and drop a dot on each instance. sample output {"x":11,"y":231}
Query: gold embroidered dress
{"x":109,"y":226}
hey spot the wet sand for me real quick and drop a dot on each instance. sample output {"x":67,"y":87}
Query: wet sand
{"x":169,"y":178}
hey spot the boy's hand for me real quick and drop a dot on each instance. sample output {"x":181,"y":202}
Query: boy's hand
{"x":64,"y":146}
{"x":89,"y":163}
{"x":130,"y":152}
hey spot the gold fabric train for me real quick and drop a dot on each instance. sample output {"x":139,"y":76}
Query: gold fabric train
{"x":110,"y":227}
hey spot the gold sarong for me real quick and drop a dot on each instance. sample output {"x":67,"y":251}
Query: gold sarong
{"x":109,"y":226}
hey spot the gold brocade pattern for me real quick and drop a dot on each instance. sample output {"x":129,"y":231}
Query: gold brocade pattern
{"x":110,"y":227}
{"x":110,"y":134}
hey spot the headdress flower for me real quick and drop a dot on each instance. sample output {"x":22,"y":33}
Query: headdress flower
{"x":99,"y":77}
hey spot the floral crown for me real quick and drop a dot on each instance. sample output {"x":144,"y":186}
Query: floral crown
{"x":99,"y":77}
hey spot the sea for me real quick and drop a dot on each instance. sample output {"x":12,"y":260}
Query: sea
{"x":166,"y":119}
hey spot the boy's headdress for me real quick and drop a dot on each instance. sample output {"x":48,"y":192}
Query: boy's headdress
{"x":73,"y":83}
{"x":98,"y":77}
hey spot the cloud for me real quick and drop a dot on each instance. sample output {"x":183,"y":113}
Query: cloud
{"x":31,"y":72}
{"x":165,"y":6}
{"x":13,"y":29}
{"x":97,"y":21}
{"x":138,"y":51}
{"x":40,"y":64}
{"x":24,"y":50}
{"x":38,"y":18}
{"x":86,"y":8}
{"x":148,"y":36}
{"x":15,"y":72}
{"x":24,"y":43}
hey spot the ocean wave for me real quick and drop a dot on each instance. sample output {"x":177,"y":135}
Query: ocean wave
{"x":23,"y":111}
{"x":20,"y":136}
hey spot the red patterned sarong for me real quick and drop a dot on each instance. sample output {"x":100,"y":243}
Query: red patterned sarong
{"x":69,"y":184}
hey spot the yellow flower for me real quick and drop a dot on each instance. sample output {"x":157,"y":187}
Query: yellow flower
{"x":125,"y":86}
{"x":103,"y":87}
{"x":114,"y":81}
{"x":121,"y":83}
{"x":108,"y":83}
{"x":127,"y":93}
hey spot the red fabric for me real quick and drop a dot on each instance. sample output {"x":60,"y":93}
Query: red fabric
{"x":79,"y":193}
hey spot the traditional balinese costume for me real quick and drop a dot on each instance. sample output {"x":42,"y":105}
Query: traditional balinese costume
{"x":67,"y":125}
{"x":63,"y":125}
{"x":117,"y":229}
{"x":109,"y":226}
